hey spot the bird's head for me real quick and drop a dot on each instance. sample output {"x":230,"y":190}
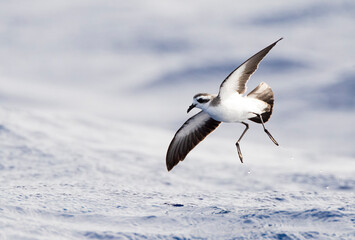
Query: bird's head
{"x":201,"y":100}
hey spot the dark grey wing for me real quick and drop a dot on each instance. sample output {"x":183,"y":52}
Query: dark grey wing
{"x":236,"y":80}
{"x":191,"y":133}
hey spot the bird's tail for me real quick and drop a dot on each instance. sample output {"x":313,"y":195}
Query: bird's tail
{"x":264,"y":93}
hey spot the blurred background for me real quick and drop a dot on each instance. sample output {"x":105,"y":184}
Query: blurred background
{"x":92,"y":92}
{"x":142,"y":61}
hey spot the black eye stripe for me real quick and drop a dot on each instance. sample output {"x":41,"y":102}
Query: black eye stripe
{"x":202,"y":100}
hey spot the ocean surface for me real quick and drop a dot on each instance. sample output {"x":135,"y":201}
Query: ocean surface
{"x":67,"y":177}
{"x":92,"y":92}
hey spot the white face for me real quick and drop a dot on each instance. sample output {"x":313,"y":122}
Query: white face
{"x":200,"y":100}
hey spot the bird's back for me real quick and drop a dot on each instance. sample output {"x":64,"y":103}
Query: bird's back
{"x":263,"y":93}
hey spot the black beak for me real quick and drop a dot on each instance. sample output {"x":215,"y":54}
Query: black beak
{"x":191,"y":107}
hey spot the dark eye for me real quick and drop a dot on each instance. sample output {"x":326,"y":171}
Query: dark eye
{"x":202,"y":100}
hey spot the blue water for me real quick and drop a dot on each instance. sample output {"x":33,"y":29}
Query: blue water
{"x":105,"y":190}
{"x":92,"y":92}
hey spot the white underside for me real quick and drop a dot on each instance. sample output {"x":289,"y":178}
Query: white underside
{"x":236,"y":109}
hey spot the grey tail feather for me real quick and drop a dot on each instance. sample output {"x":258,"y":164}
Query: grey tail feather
{"x":264,"y":93}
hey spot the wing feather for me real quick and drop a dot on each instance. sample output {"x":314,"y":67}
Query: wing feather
{"x":191,"y":133}
{"x":236,"y":80}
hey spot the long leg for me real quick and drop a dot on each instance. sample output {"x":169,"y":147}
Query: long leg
{"x":267,"y":132}
{"x":237,"y":143}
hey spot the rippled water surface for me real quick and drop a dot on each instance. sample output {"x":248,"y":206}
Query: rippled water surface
{"x":92,"y":92}
{"x":109,"y":191}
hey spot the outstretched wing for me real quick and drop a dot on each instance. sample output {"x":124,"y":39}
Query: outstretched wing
{"x":191,"y":133}
{"x":236,"y":80}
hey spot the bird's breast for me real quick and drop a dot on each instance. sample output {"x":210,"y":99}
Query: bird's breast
{"x":235,"y":109}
